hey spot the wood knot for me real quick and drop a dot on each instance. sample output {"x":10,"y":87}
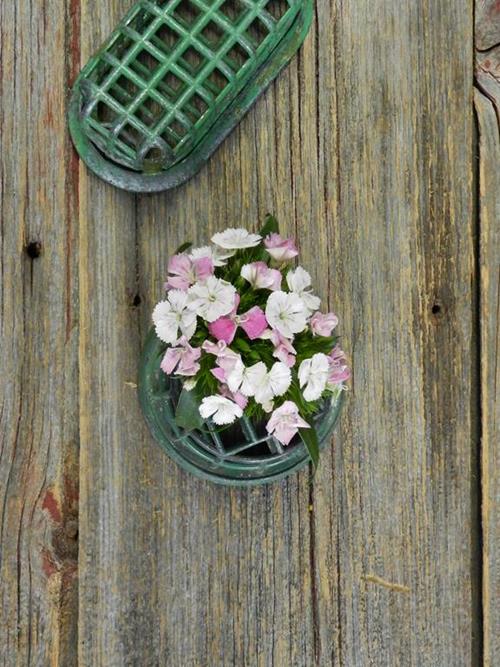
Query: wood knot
{"x":65,"y":540}
{"x":33,"y":249}
{"x":71,"y":529}
{"x":61,"y":505}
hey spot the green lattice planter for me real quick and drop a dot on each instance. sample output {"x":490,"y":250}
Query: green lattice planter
{"x":241,"y":455}
{"x":173,"y":79}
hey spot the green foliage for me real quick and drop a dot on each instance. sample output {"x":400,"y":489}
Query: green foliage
{"x":183,"y":247}
{"x":255,"y":351}
{"x":270,"y":226}
{"x":306,"y":408}
{"x":187,"y":414}
{"x":206,"y":382}
{"x":307,"y":345}
{"x":255,"y":411}
{"x":310,"y":440}
{"x":200,"y":335}
{"x":250,"y":297}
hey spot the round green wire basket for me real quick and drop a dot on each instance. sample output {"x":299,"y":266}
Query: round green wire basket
{"x":242,"y":454}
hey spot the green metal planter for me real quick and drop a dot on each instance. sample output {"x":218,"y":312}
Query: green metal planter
{"x":173,"y":79}
{"x":240,"y":455}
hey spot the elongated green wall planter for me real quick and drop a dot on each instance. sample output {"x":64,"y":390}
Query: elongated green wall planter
{"x":173,"y":79}
{"x":241,"y":455}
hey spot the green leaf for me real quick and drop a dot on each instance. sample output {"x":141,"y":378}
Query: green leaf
{"x":187,"y":414}
{"x":183,"y":247}
{"x":241,"y":345}
{"x":270,"y":226}
{"x":310,"y":440}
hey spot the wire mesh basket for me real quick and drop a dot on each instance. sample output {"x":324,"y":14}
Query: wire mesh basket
{"x":173,"y":79}
{"x":242,"y":454}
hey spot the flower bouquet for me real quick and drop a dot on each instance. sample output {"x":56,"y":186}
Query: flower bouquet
{"x":243,"y":348}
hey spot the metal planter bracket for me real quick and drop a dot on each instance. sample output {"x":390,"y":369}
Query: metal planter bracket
{"x":173,"y":80}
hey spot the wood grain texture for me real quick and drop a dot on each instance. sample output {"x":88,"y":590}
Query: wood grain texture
{"x":487,"y":101}
{"x":364,"y":149}
{"x":393,"y":508}
{"x":487,"y":24}
{"x":39,"y":334}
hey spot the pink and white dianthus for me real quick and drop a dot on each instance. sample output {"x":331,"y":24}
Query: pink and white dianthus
{"x":244,"y":331}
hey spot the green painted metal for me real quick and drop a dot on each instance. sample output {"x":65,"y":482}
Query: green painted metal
{"x":173,"y":80}
{"x":240,"y":455}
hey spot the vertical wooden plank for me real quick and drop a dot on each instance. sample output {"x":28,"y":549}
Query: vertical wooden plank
{"x":395,"y":512}
{"x":117,"y":617}
{"x":487,"y":101}
{"x":39,"y":333}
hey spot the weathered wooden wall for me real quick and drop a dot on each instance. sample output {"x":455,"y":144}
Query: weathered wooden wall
{"x":39,"y":288}
{"x":365,"y":148}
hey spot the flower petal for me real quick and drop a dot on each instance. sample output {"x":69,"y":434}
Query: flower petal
{"x":166,"y":322}
{"x":212,"y":298}
{"x":286,"y":313}
{"x":280,"y":378}
{"x":298,"y":280}
{"x":313,"y":376}
{"x":223,"y":329}
{"x":253,"y":322}
{"x":323,"y":325}
{"x":279,"y":248}
{"x":285,"y":422}
{"x":170,"y":360}
{"x":222,"y":410}
{"x":234,"y":239}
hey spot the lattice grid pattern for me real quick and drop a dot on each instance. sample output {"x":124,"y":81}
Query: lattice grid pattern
{"x":241,"y":440}
{"x":169,"y":71}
